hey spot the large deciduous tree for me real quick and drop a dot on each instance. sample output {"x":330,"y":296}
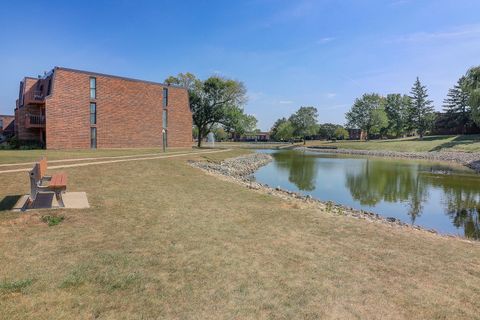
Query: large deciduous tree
{"x":304,"y":122}
{"x":421,"y":114}
{"x":327,"y":130}
{"x":472,"y":86}
{"x":396,"y":107}
{"x":285,"y":131}
{"x":456,"y":106}
{"x":282,"y":130}
{"x":210,"y":100}
{"x":236,"y":122}
{"x":368,"y":114}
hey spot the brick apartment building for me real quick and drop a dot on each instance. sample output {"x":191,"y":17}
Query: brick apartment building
{"x":6,"y":126}
{"x":74,"y":109}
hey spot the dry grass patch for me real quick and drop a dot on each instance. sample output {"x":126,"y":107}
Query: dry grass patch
{"x":164,"y":240}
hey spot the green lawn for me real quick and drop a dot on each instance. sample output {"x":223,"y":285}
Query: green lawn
{"x":466,"y":143}
{"x":14,"y":156}
{"x":164,"y":240}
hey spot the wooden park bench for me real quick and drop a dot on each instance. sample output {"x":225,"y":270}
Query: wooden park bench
{"x":41,"y":183}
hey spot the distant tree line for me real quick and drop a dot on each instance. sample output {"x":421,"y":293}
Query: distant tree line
{"x":397,"y":115}
{"x":303,"y":125}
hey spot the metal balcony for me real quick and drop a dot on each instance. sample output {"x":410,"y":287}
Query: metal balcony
{"x":34,"y":121}
{"x":34,"y":97}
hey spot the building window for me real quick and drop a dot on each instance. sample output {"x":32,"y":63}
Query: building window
{"x":165,"y":118}
{"x":165,"y":97}
{"x":93,"y":113}
{"x":93,"y":88}
{"x":93,"y":137}
{"x":1,"y":123}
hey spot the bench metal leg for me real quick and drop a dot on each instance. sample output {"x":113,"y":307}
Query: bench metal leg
{"x":58,"y":195}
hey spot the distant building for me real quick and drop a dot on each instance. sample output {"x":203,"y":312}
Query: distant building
{"x":74,"y":109}
{"x":254,"y":137}
{"x":7,"y":126}
{"x":357,"y":134}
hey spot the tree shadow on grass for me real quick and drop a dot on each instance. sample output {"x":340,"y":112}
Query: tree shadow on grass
{"x":9,"y":202}
{"x":458,"y":141}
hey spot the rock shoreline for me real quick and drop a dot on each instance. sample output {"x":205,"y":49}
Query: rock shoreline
{"x":240,"y":169}
{"x":470,"y":160}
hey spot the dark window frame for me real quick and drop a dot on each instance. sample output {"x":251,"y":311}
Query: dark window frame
{"x":93,"y":137}
{"x":93,"y":90}
{"x":165,"y":119}
{"x":93,"y":121}
{"x":165,"y":97}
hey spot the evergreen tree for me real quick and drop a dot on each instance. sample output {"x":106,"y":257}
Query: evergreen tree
{"x":420,"y":113}
{"x":456,"y":106}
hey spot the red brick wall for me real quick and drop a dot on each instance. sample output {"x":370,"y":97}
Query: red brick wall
{"x":7,"y":120}
{"x":21,"y":131}
{"x":129,"y":113}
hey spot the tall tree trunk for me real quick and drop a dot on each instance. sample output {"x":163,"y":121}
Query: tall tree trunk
{"x":200,"y":138}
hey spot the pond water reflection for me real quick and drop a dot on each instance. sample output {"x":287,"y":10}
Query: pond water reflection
{"x":433,"y":195}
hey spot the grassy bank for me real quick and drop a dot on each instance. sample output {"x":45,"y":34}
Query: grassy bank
{"x":466,"y":143}
{"x":165,"y":240}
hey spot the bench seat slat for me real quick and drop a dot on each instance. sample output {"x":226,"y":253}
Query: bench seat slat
{"x":59,"y":180}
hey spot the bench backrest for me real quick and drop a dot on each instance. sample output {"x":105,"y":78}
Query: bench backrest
{"x":39,"y":169}
{"x":42,"y":166}
{"x":38,"y":172}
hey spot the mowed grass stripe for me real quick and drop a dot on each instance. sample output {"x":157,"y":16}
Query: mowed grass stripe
{"x":87,"y":159}
{"x":115,"y":161}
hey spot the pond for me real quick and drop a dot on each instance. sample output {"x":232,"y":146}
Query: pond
{"x":429,"y":194}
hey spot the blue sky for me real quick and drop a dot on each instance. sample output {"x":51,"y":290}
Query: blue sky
{"x":289,"y":54}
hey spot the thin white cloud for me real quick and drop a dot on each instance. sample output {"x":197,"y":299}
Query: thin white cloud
{"x":325,"y":40}
{"x":461,"y":32}
{"x":285,"y":102}
{"x":330,"y":95}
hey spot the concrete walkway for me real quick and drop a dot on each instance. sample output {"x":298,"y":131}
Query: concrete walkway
{"x":142,"y":157}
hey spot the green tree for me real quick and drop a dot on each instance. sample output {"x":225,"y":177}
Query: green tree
{"x":210,"y":100}
{"x":284,"y":131}
{"x":340,"y":133}
{"x":472,"y":86}
{"x":237,"y":122}
{"x":420,"y":113}
{"x":327,"y":130}
{"x":186,"y":80}
{"x":396,"y":107}
{"x":220,"y":133}
{"x":276,"y":125}
{"x":456,"y":106}
{"x":368,"y":114}
{"x":304,"y":122}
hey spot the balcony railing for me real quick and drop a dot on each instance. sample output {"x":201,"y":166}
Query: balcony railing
{"x":34,"y":97}
{"x":34,"y":121}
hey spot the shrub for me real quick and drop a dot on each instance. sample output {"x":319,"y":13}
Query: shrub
{"x":15,"y":286}
{"x":52,"y":220}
